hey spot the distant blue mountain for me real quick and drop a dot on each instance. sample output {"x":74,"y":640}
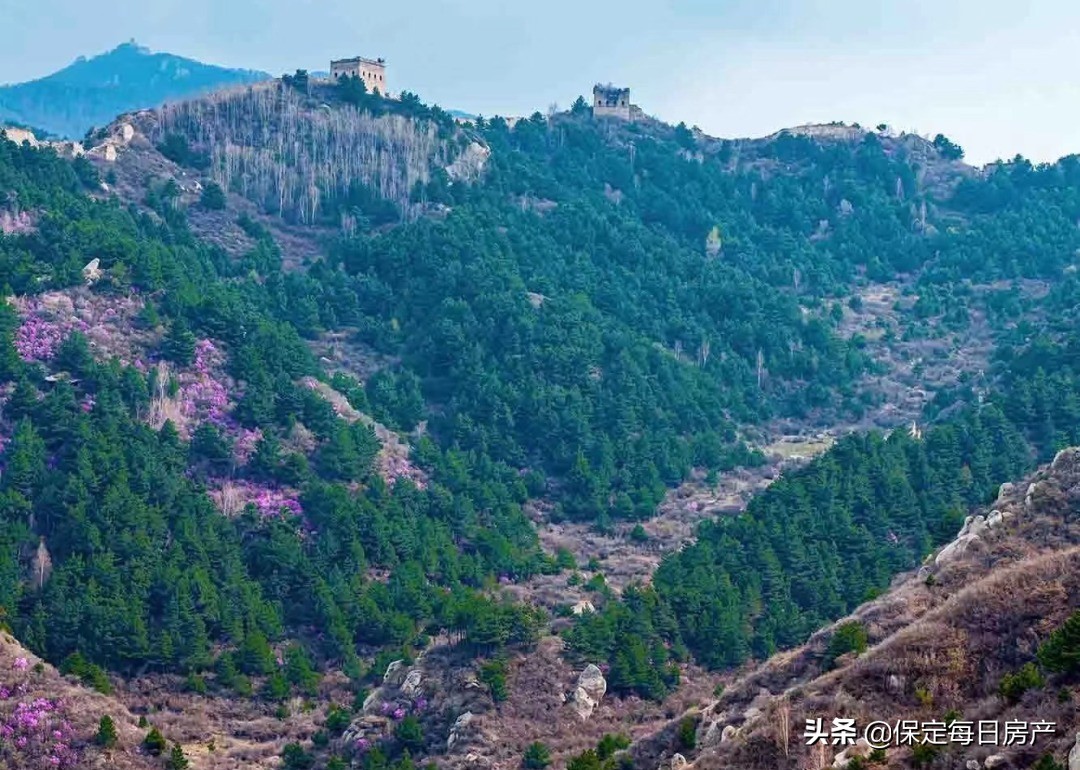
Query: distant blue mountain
{"x":91,"y":92}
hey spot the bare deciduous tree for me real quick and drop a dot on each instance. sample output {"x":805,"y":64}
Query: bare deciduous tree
{"x":41,"y":565}
{"x":264,"y":144}
{"x":783,"y":725}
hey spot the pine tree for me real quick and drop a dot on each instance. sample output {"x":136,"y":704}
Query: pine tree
{"x":1061,"y":651}
{"x":177,"y":760}
{"x":537,"y":756}
{"x":154,"y":742}
{"x":106,"y":735}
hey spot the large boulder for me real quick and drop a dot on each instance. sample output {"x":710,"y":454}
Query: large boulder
{"x":1074,"y":755}
{"x":973,"y":530}
{"x":589,"y":691}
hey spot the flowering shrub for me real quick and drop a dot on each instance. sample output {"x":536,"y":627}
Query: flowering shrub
{"x":205,"y":397}
{"x":233,"y":496}
{"x":244,"y":446}
{"x":393,"y":466}
{"x":48,"y":319}
{"x":33,"y":733}
{"x":38,"y":338}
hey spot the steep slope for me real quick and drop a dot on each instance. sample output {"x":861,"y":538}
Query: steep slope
{"x":45,"y":716}
{"x":91,"y":92}
{"x":945,"y":643}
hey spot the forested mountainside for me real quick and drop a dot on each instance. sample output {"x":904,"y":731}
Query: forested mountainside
{"x":555,"y":321}
{"x":91,"y":92}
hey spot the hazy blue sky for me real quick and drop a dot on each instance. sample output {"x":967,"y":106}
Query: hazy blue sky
{"x":998,"y":76}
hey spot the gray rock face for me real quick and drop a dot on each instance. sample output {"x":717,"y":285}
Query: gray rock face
{"x":395,"y":674}
{"x":729,"y":732}
{"x":410,"y":688}
{"x":975,"y":527}
{"x":589,"y":691}
{"x":1004,"y":491}
{"x":367,"y":726}
{"x":1074,"y":755}
{"x":470,"y":164}
{"x":678,"y":762}
{"x":459,"y":730}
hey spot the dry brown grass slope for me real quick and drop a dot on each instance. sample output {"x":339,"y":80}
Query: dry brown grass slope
{"x":940,"y":639}
{"x":78,"y":705}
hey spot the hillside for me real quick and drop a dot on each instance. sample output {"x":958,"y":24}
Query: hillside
{"x":944,"y":643}
{"x":300,"y":382}
{"x":91,"y":92}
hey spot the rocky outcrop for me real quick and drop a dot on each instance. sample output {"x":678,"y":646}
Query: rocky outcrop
{"x":460,"y":730}
{"x":1074,"y":755}
{"x":92,"y":271}
{"x":861,"y":749}
{"x":589,"y":691}
{"x":582,"y":607}
{"x":975,"y":528}
{"x":470,"y":164}
{"x":368,"y":727}
{"x":410,"y":688}
{"x":395,"y":674}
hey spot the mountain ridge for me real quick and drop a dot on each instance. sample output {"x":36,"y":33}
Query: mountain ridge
{"x":92,"y":91}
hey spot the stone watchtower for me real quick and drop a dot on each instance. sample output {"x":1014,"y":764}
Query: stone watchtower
{"x":609,"y":101}
{"x":372,"y":72}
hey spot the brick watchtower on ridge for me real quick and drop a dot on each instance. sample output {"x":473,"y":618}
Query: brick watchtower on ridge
{"x":371,"y":71}
{"x":609,"y":101}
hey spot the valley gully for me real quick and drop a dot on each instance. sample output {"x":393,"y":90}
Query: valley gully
{"x":910,"y":732}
